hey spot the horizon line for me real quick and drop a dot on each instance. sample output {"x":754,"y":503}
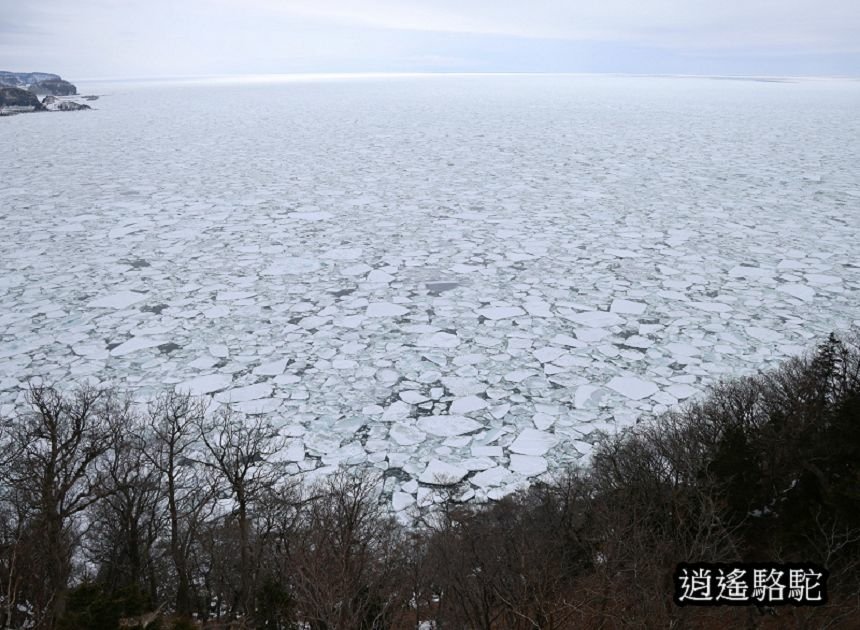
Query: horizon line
{"x":252,"y":77}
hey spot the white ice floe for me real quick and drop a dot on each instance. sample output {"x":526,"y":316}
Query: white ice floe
{"x":119,"y":300}
{"x":633,"y":387}
{"x":500,"y":411}
{"x":231,"y":296}
{"x":518,"y":376}
{"x":460,"y":386}
{"x":401,"y":500}
{"x":406,"y":435}
{"x":712,"y":307}
{"x":377,"y":275}
{"x":543,"y":421}
{"x":549,"y":354}
{"x":356,"y":302}
{"x":219,"y":350}
{"x":682,"y":391}
{"x":628,"y":307}
{"x":595,"y":319}
{"x":501,"y":312}
{"x":272,"y":368}
{"x":591,"y":335}
{"x":800,"y":291}
{"x":91,"y":351}
{"x":356,"y":270}
{"x":683,"y":349}
{"x":258,"y":407}
{"x":638,"y":341}
{"x":744,"y":271}
{"x":533,"y":442}
{"x":439,"y":473}
{"x":448,"y":425}
{"x":438,"y":340}
{"x":538,"y":308}
{"x":528,"y":465}
{"x":487,"y":451}
{"x":492,"y":477}
{"x":467,"y":404}
{"x":822,"y":280}
{"x":293,"y":451}
{"x":412,"y":397}
{"x":133,"y":345}
{"x":243,"y":394}
{"x":764,"y":334}
{"x":385,"y":309}
{"x":622,"y":253}
{"x":205,"y":384}
{"x":585,"y":396}
{"x":291,"y":265}
{"x":568,"y":341}
{"x":343,"y":253}
{"x":319,"y":215}
{"x":398,"y":410}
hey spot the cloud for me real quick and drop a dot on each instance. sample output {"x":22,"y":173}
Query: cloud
{"x":830,"y":24}
{"x":182,"y":37}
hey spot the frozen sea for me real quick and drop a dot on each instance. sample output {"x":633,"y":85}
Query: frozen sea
{"x":456,"y":278}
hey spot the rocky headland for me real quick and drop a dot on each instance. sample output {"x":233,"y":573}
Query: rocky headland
{"x":20,"y":92}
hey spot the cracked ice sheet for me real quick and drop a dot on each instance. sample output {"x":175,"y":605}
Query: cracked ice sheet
{"x":365,"y":259}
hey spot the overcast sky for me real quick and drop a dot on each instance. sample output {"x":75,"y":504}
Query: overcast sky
{"x":158,"y":38}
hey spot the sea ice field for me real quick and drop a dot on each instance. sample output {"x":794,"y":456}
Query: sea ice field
{"x":454,"y":279}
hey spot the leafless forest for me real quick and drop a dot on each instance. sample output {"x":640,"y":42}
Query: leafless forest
{"x":109,"y":516}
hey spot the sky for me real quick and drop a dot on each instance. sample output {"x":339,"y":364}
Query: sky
{"x":89,"y":39}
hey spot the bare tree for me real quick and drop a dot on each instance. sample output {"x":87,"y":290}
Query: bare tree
{"x":15,"y":516}
{"x":59,"y":472}
{"x":170,"y":448}
{"x":239,"y":451}
{"x":128,"y":523}
{"x":509,"y":564}
{"x":347,"y":555}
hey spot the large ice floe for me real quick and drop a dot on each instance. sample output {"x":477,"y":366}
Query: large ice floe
{"x":458,"y":280}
